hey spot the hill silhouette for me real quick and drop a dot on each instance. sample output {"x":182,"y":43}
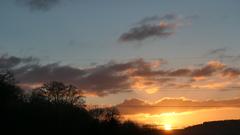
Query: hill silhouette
{"x":225,"y":127}
{"x":56,"y":108}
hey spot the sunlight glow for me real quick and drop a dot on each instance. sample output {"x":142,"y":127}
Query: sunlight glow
{"x":168,"y":127}
{"x":178,"y":120}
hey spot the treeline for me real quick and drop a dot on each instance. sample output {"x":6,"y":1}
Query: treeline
{"x":58,"y":108}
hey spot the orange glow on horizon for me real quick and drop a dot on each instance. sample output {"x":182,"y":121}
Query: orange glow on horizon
{"x":180,"y":120}
{"x":168,"y":127}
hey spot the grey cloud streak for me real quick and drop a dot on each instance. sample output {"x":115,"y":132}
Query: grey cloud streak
{"x":145,"y":31}
{"x":156,"y":18}
{"x":155,"y":27}
{"x":39,"y":5}
{"x":222,"y":54}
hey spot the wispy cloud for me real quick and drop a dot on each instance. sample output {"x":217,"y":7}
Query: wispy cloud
{"x":223,"y":54}
{"x":39,"y":5}
{"x":145,"y":31}
{"x":155,"y":26}
{"x":157,"y":19}
{"x":218,"y":51}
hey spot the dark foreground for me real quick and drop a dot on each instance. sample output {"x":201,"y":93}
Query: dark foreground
{"x":56,"y":108}
{"x":227,"y":127}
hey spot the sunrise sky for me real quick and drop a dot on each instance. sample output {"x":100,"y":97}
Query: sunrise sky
{"x":165,"y":62}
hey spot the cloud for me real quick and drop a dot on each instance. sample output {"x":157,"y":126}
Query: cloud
{"x":117,"y":77}
{"x":138,"y":106}
{"x":43,"y":73}
{"x":218,"y":51}
{"x":154,"y":19}
{"x":7,"y":62}
{"x":110,"y":78}
{"x":155,"y":27}
{"x":222,"y":54}
{"x":180,"y":72}
{"x":209,"y":69}
{"x":145,"y":31}
{"x":231,"y":72}
{"x":39,"y":5}
{"x":98,"y":81}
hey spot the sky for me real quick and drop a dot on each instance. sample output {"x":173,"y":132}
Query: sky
{"x":130,"y":53}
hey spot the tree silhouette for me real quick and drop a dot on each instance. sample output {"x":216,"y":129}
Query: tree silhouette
{"x":9,"y":92}
{"x":57,"y":108}
{"x":7,"y":77}
{"x":105,"y":114}
{"x":59,"y":93}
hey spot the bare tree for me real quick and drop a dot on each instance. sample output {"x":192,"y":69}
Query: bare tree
{"x":73,"y":96}
{"x":57,"y":92}
{"x":105,"y":114}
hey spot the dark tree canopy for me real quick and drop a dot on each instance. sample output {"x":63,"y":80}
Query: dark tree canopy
{"x":9,"y":92}
{"x":6,"y":77}
{"x":57,"y":92}
{"x":57,"y":108}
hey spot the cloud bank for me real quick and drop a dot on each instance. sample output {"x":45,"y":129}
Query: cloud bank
{"x":117,"y":77}
{"x":137,"y":106}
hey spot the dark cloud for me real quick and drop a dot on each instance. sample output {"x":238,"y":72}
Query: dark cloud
{"x":113,"y":77}
{"x":44,"y":73}
{"x":211,"y":68}
{"x":106,"y":79}
{"x":101,"y":80}
{"x":145,"y":31}
{"x":136,"y":106}
{"x":7,"y":62}
{"x":231,"y":72}
{"x":170,"y":17}
{"x":39,"y":5}
{"x":117,"y":77}
{"x":155,"y":27}
{"x":110,"y":78}
{"x":207,"y":70}
{"x":180,"y":72}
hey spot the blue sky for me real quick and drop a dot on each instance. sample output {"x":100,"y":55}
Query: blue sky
{"x":188,"y":51}
{"x":82,"y":33}
{"x":88,"y":31}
